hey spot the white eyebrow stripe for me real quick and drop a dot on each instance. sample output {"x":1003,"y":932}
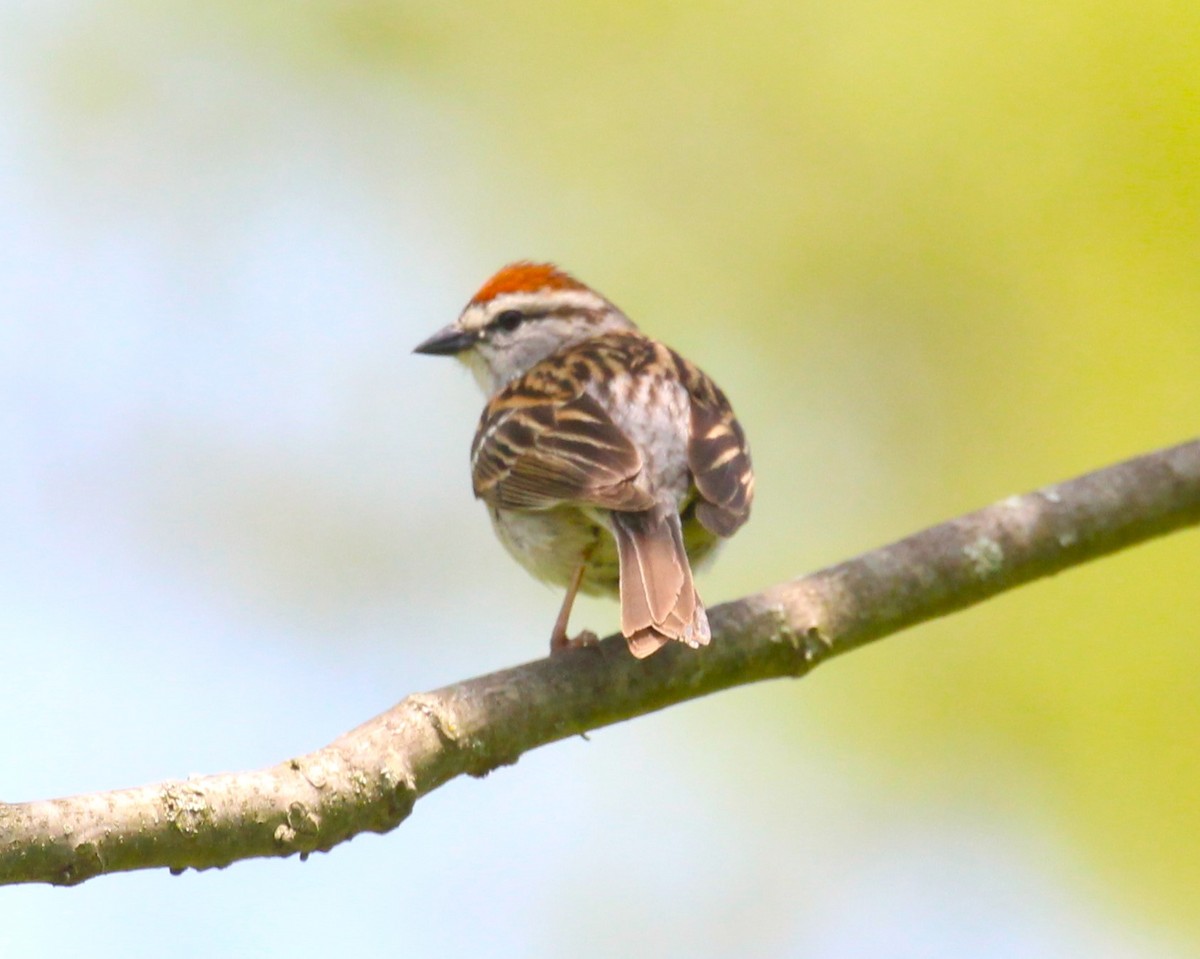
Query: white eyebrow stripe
{"x":476,"y":316}
{"x":545,"y":301}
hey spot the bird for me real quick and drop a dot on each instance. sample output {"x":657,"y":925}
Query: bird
{"x":608,"y":463}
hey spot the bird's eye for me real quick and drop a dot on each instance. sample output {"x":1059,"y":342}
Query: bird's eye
{"x":509,"y":320}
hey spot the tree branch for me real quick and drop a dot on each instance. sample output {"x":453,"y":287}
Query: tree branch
{"x":369,"y":779}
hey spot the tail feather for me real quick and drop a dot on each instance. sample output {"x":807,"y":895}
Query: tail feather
{"x":658,"y":598}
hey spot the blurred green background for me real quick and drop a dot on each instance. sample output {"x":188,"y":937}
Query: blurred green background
{"x":936,"y":254}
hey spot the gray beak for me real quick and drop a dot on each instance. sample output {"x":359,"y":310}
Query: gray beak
{"x":447,"y":342}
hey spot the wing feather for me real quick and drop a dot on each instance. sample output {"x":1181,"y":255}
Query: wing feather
{"x":718,"y":456}
{"x":536,"y":453}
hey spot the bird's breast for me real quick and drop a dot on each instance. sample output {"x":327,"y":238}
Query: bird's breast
{"x":552,"y":543}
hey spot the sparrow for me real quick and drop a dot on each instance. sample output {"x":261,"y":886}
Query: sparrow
{"x":608,"y":462}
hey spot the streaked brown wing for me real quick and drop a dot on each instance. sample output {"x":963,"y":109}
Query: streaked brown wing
{"x":537,"y":454}
{"x":718,"y":457}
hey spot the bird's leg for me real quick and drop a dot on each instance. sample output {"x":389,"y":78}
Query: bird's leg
{"x":559,"y":640}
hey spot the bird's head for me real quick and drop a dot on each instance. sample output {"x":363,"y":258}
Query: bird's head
{"x":523,"y":314}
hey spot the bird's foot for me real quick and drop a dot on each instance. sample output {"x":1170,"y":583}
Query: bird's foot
{"x":560,"y":643}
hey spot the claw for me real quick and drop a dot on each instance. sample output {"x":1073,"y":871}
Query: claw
{"x":582,"y":641}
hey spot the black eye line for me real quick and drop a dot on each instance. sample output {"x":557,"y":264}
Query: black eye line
{"x":511,"y":319}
